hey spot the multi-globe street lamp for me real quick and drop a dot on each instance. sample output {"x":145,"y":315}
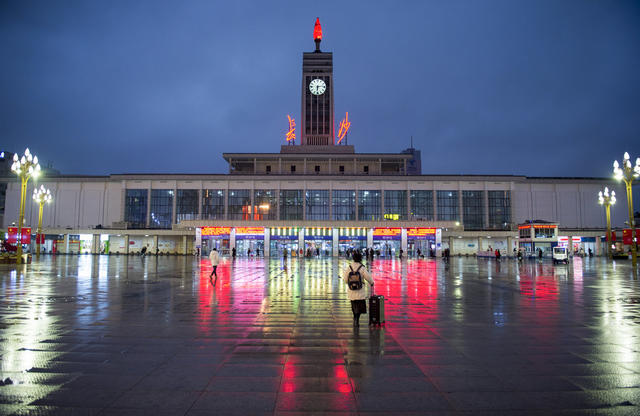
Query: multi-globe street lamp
{"x":25,"y":167}
{"x":606,"y":199}
{"x":628,"y":173}
{"x":41,"y":196}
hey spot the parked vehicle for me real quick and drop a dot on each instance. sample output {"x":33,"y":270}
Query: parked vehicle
{"x":560,"y":255}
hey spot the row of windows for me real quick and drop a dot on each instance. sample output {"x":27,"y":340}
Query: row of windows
{"x":316,"y":169}
{"x":340,"y":205}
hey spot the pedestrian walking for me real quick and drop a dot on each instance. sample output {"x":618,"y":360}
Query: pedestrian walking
{"x":233,"y":253}
{"x":214,"y":257}
{"x":355,"y":275}
{"x":143,"y":252}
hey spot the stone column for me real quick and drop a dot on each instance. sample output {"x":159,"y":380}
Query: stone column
{"x":126,"y":244}
{"x":403,"y":240}
{"x":335,"y":241}
{"x":155,"y":244}
{"x":184,"y":245}
{"x":95,"y":244}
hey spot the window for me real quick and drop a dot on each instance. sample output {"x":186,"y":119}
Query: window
{"x":239,"y":202}
{"x":369,"y":205}
{"x":421,"y":205}
{"x":135,"y":208}
{"x":293,"y":168}
{"x":473,"y":210}
{"x":525,"y":232}
{"x":291,"y":204}
{"x":187,"y":205}
{"x":265,"y":204}
{"x":341,"y":169}
{"x":317,"y":168}
{"x":395,"y":205}
{"x":213,"y":204}
{"x":161,"y":208}
{"x":317,"y":205}
{"x":544,"y":232}
{"x":268,"y":168}
{"x":499,"y":210}
{"x":366,"y":169}
{"x":344,"y":205}
{"x":447,"y":205}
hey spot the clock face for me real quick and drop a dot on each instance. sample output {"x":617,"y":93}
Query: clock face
{"x":317,"y":86}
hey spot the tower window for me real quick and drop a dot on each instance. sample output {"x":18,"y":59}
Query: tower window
{"x":317,"y":168}
{"x":366,"y":169}
{"x":293,"y":168}
{"x":268,"y":168}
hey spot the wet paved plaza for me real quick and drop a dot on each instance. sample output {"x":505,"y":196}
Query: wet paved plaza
{"x":117,"y":336}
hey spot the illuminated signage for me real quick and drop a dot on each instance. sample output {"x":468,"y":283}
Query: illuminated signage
{"x":352,"y":234}
{"x":249,"y":230}
{"x":387,"y":233}
{"x":216,"y":231}
{"x":523,"y":227}
{"x":291,"y":134}
{"x":421,"y":233}
{"x":394,"y":217}
{"x":344,"y":128}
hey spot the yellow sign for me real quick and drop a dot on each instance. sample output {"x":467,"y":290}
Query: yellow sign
{"x":417,"y":232}
{"x":250,"y":230}
{"x":387,"y":231}
{"x":216,"y":230}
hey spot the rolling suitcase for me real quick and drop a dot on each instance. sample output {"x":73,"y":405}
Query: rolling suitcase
{"x":376,"y":310}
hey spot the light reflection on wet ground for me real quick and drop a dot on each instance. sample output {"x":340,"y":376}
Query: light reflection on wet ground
{"x":118,"y":335}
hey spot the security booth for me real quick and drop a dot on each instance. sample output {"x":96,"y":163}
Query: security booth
{"x":216,"y":237}
{"x":249,"y":241}
{"x":283,"y":239}
{"x":318,"y":241}
{"x":351,"y":238}
{"x":387,"y":241}
{"x":423,"y":239}
{"x":537,"y":235}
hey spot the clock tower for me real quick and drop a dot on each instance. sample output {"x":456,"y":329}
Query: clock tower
{"x":317,"y":95}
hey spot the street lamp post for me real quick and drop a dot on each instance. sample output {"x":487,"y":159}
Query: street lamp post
{"x":628,"y":173}
{"x":25,"y":167}
{"x":41,"y":196}
{"x":607,"y":200}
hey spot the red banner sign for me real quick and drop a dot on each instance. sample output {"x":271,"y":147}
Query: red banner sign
{"x":626,"y":236}
{"x":13,"y":235}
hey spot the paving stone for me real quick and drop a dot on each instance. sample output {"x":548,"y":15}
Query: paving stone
{"x":153,"y":336}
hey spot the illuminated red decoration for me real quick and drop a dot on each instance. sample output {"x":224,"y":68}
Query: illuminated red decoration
{"x":317,"y":30}
{"x":291,"y":134}
{"x":345,"y":124}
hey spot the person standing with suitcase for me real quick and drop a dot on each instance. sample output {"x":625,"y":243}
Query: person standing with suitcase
{"x":355,"y":275}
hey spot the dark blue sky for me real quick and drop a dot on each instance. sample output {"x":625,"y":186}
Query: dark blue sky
{"x":539,"y":88}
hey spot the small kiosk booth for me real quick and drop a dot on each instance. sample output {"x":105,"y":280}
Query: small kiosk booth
{"x":538,"y":235}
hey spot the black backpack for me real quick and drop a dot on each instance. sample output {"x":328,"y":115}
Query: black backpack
{"x":354,"y":280}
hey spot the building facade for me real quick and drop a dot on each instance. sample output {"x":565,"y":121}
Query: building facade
{"x":317,"y":197}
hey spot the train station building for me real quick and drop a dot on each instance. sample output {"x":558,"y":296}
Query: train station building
{"x":315,"y":196}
